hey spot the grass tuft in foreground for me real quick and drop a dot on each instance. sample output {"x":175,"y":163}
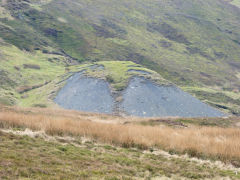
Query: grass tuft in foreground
{"x":23,"y":157}
{"x":204,"y":142}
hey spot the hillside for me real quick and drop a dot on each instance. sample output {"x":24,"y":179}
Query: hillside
{"x":120,"y":89}
{"x":193,"y":44}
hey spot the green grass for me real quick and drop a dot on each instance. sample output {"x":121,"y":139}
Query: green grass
{"x":226,"y":100}
{"x":23,"y":157}
{"x":17,"y":58}
{"x":180,"y":63}
{"x":52,"y":69}
{"x":189,"y":122}
{"x":5,"y":14}
{"x":236,"y":3}
{"x":13,"y":64}
{"x":117,"y":73}
{"x":201,"y":63}
{"x":194,"y":45}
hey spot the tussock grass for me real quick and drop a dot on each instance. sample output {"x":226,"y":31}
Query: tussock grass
{"x":36,"y":158}
{"x":214,"y":142}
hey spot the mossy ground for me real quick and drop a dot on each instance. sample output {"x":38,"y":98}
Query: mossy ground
{"x":23,"y":157}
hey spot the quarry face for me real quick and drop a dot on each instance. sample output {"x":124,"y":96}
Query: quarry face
{"x":141,"y":97}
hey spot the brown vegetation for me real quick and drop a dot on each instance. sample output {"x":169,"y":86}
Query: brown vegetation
{"x":31,"y":66}
{"x":23,"y":89}
{"x":214,"y":142}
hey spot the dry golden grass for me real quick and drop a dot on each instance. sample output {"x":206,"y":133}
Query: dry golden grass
{"x":220,"y":143}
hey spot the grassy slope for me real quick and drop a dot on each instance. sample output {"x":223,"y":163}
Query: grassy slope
{"x":196,"y":48}
{"x":137,"y":31}
{"x":53,"y":64}
{"x":36,"y":158}
{"x":51,"y":73}
{"x":210,"y":138}
{"x":205,"y":54}
{"x":24,"y":78}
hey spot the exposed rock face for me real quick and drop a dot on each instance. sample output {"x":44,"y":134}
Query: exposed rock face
{"x":141,"y":98}
{"x":146,"y":99}
{"x":86,"y":94}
